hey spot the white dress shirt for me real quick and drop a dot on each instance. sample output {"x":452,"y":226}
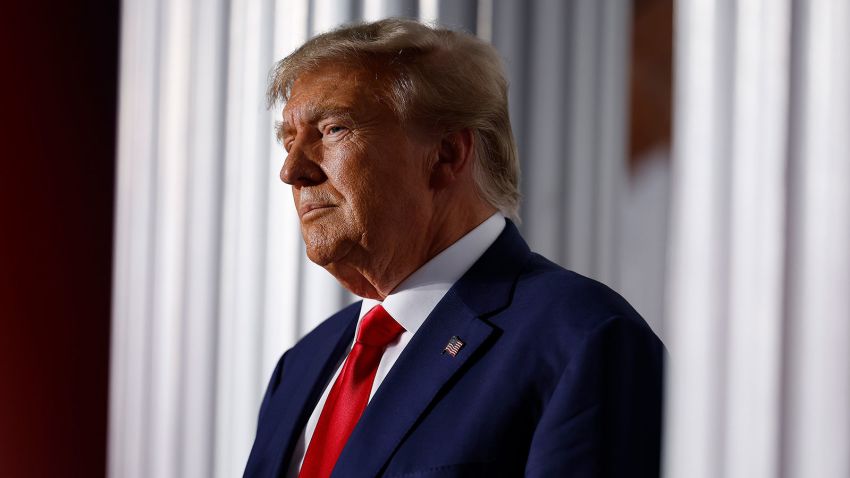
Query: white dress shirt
{"x":410,"y":304}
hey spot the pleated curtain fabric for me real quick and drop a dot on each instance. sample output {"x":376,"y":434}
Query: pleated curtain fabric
{"x":210,"y":272}
{"x":757,"y":321}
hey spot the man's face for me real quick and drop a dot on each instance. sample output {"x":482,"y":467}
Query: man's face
{"x":359,"y":178}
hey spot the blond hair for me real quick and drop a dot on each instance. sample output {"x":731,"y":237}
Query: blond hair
{"x":439,"y":77}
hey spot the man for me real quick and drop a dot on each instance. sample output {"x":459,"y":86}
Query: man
{"x":469,"y":355}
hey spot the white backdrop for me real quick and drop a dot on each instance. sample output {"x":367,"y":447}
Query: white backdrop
{"x":212,"y":285}
{"x":759,"y":310}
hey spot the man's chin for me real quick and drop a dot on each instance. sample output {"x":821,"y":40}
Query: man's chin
{"x":322,"y":243}
{"x":320,"y":257}
{"x":324,"y":249}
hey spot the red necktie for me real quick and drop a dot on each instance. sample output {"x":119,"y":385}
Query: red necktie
{"x":350,"y":393}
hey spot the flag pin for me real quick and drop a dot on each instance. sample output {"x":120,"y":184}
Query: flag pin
{"x":454,"y":346}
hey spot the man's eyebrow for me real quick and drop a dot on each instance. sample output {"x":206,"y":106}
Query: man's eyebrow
{"x":278,"y":131}
{"x":312,"y":114}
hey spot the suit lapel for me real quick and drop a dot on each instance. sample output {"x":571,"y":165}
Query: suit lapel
{"x":423,"y":369}
{"x":304,"y":380}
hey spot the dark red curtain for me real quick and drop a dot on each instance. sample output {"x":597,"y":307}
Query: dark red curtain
{"x":58,"y":84}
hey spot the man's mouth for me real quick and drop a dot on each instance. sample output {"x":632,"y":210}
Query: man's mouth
{"x":306,"y":210}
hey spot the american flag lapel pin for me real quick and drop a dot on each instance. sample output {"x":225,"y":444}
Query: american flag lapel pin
{"x":454,"y":346}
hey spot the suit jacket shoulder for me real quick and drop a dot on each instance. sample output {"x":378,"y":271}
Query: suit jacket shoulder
{"x":566,"y":305}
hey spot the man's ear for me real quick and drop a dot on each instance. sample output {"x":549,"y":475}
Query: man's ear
{"x":454,"y":158}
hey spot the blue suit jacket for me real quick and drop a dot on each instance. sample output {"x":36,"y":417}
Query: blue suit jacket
{"x":558,"y":377}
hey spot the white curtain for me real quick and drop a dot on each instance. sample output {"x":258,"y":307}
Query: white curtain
{"x":759,"y":286}
{"x":211,"y":280}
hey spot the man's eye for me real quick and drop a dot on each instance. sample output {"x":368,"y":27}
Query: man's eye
{"x":335,"y":129}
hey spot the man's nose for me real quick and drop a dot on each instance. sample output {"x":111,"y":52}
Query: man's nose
{"x":300,"y":168}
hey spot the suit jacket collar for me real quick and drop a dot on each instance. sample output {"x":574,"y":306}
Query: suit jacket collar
{"x":488,"y":285}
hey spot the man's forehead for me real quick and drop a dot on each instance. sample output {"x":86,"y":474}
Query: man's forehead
{"x":333,"y":90}
{"x":337,"y":75}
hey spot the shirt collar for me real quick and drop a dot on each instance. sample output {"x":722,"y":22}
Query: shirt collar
{"x":414,"y":299}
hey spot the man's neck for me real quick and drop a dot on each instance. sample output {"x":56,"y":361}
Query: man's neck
{"x":376,"y":277}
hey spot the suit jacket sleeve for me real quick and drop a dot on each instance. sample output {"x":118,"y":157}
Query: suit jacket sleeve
{"x":604,"y":417}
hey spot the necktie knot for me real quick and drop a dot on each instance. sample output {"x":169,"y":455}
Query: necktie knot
{"x":378,"y":328}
